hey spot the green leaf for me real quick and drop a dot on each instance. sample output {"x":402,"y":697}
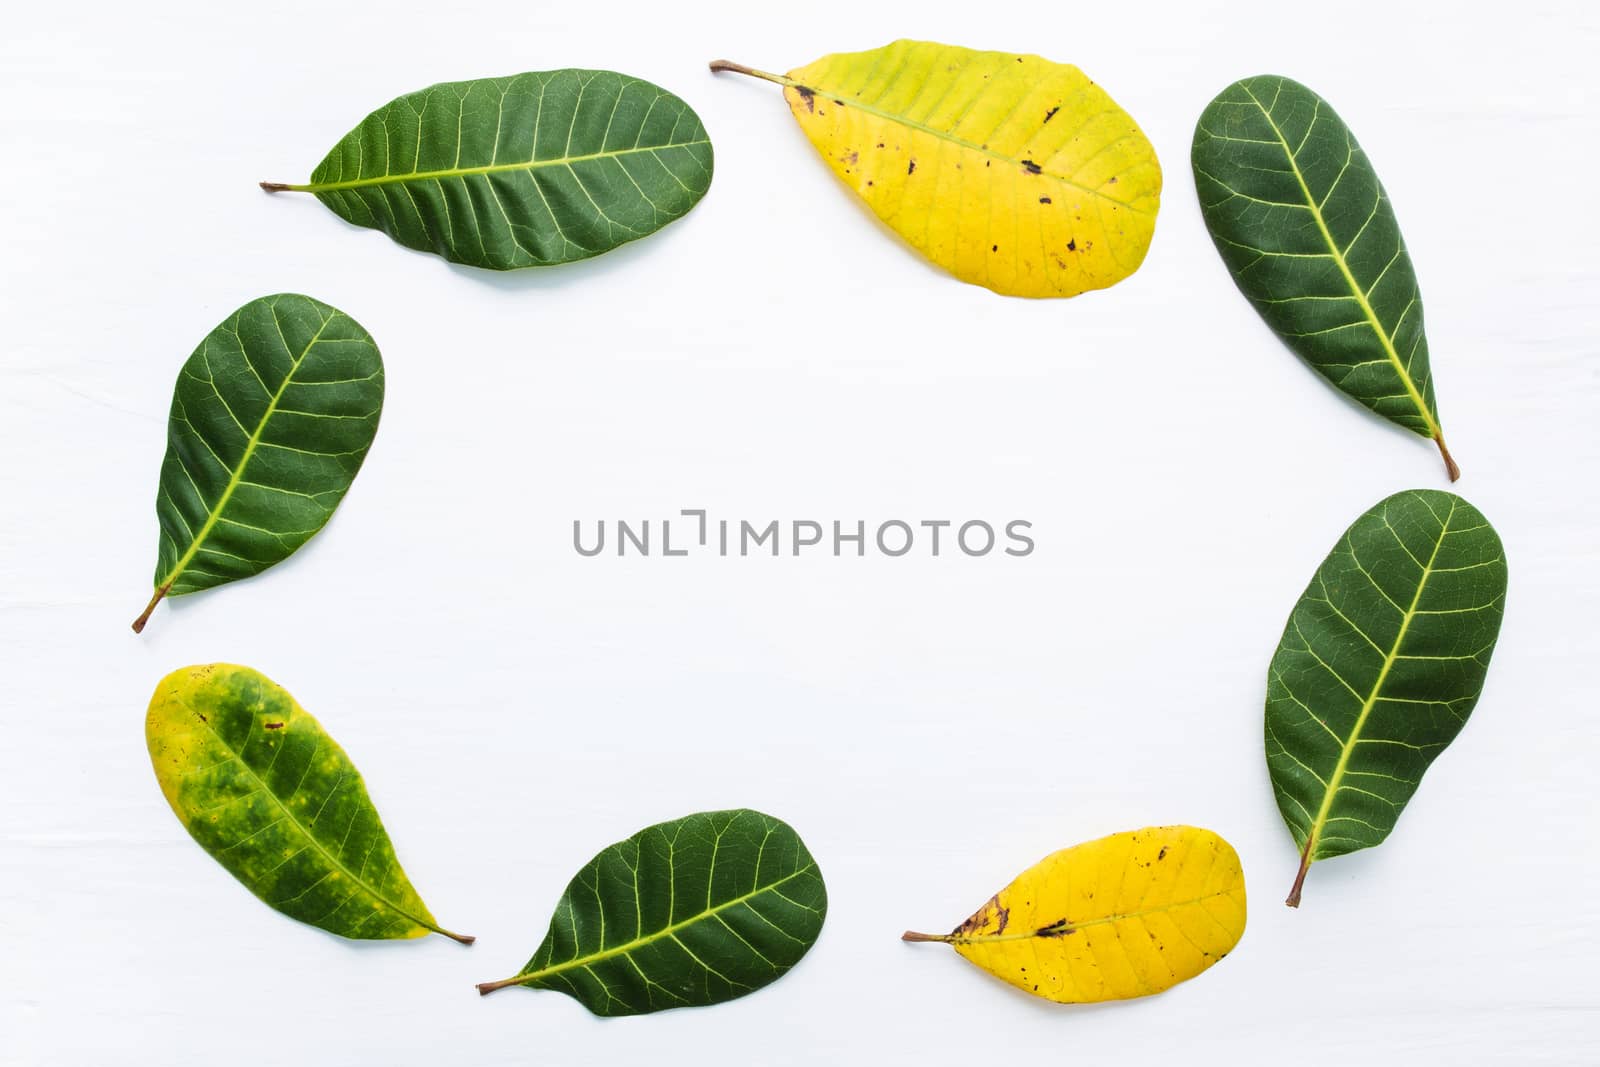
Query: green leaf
{"x":271,"y":418}
{"x":274,"y":799}
{"x":1310,"y":237}
{"x":525,"y":171}
{"x":695,"y":911}
{"x":1380,"y":665}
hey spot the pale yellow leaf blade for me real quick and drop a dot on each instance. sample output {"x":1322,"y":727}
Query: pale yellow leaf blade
{"x":1125,"y":916}
{"x":1009,"y":171}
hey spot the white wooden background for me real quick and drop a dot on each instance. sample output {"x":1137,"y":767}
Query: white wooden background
{"x":930,"y":726}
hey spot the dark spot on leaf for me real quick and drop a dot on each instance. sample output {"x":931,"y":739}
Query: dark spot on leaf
{"x":880,"y":145}
{"x":836,"y":100}
{"x":1044,"y":200}
{"x":1048,"y":115}
{"x":272,"y":725}
{"x":1059,"y":928}
{"x":1005,"y":917}
{"x":1113,"y":181}
{"x":1162,"y":854}
{"x":808,"y":96}
{"x":1031,"y":167}
{"x":202,"y":716}
{"x":994,"y":248}
{"x":912,"y":168}
{"x":975,"y":921}
{"x":1072,"y":245}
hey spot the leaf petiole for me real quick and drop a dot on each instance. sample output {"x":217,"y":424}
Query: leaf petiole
{"x":149,"y":609}
{"x":727,"y":65}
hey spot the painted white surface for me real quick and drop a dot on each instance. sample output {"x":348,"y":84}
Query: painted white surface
{"x":930,"y":726}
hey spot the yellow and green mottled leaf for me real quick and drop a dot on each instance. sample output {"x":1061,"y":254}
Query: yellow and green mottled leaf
{"x":1009,"y":171}
{"x":1125,"y":916}
{"x":261,"y":786}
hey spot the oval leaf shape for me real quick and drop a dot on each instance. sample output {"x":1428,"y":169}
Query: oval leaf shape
{"x":1310,"y":237}
{"x":1380,"y":664}
{"x":260,"y":785}
{"x":690,"y":912}
{"x":1126,"y":916}
{"x":271,"y":419}
{"x":525,"y":171}
{"x":1009,"y":171}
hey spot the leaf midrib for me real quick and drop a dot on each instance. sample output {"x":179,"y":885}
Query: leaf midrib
{"x":236,"y":476}
{"x":333,"y":860}
{"x":491,"y":168}
{"x":945,"y":135}
{"x":658,"y":935}
{"x":1332,"y":789}
{"x":1074,"y":927}
{"x":1344,"y":268}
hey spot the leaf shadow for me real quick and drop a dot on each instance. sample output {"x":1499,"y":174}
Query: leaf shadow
{"x":1051,"y":1009}
{"x":394,"y":944}
{"x":562,"y":275}
{"x":1365,"y":414}
{"x":178,"y":605}
{"x":554,"y":276}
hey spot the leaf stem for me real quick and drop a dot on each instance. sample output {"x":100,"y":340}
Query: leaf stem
{"x":912,"y":935}
{"x":720,"y":65}
{"x":463,"y":939}
{"x":281,"y":187}
{"x":144,"y":617}
{"x":1293,"y":899}
{"x":1449,"y":460}
{"x":485,"y":988}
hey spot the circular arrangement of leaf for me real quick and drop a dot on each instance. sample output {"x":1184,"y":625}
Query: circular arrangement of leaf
{"x":1009,"y":171}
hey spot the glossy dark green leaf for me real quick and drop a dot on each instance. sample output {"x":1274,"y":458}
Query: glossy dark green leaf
{"x":525,"y":171}
{"x":271,"y":418}
{"x":1310,"y":236}
{"x":695,"y":911}
{"x":259,"y":784}
{"x":1380,"y":665}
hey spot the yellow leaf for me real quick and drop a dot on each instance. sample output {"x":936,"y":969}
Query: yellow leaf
{"x":1125,"y":916}
{"x":1009,"y":171}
